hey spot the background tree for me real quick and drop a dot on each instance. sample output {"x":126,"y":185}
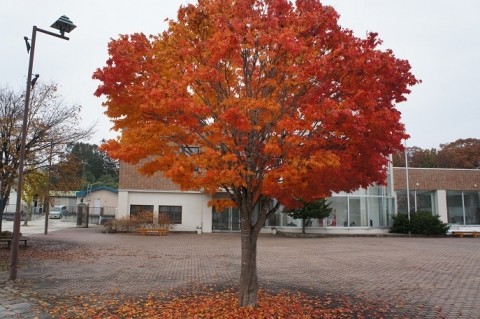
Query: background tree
{"x":60,"y":176}
{"x":417,"y":157}
{"x":51,"y":126}
{"x":260,"y":98}
{"x":463,"y":153}
{"x":97,"y":167}
{"x":64,"y":174}
{"x":35,"y":188}
{"x":310,"y":210}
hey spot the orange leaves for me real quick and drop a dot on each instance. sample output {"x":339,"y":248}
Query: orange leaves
{"x":280,"y":100}
{"x":221,"y":204}
{"x":221,"y":305}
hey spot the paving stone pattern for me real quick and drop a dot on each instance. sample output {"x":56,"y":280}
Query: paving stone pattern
{"x":424,"y":277}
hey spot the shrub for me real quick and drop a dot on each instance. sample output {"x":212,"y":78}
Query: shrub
{"x":401,"y":224}
{"x":421,"y":223}
{"x":128,"y":224}
{"x":142,"y":218}
{"x":121,"y":225}
{"x":164,"y":221}
{"x":425,"y":223}
{"x":139,"y":220}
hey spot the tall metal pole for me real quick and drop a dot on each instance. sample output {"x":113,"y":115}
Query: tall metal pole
{"x":406,"y":181}
{"x":18,"y":218}
{"x":408,"y":186}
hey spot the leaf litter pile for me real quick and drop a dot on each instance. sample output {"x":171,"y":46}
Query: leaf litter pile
{"x":212,"y":303}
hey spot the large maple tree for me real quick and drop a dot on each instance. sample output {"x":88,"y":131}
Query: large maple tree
{"x":259,"y":99}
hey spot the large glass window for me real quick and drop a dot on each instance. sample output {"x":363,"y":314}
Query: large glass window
{"x":472,"y":207}
{"x":455,"y":207}
{"x":402,"y":202}
{"x":378,"y":210}
{"x":339,"y":207}
{"x":363,"y":208}
{"x":463,"y":208}
{"x":226,"y":220}
{"x":137,"y":209}
{"x":424,"y":201}
{"x":419,"y":201}
{"x":358,"y":211}
{"x":174,"y":212}
{"x":277,"y":219}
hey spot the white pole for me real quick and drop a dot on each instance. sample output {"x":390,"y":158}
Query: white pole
{"x":406,"y":181}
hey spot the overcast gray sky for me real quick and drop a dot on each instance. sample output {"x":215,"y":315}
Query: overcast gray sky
{"x":440,"y":39}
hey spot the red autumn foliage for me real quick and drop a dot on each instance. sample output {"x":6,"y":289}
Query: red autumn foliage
{"x":280,"y":101}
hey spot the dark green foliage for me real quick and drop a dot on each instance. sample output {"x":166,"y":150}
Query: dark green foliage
{"x":318,"y":209}
{"x":401,"y":225}
{"x":424,"y":223}
{"x":421,"y":223}
{"x":97,"y":167}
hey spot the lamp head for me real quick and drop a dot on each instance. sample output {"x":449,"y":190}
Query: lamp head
{"x":64,"y":25}
{"x":27,"y":44}
{"x":36,"y":76}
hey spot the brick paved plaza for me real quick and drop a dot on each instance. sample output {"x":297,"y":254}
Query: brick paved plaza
{"x":425,"y":277}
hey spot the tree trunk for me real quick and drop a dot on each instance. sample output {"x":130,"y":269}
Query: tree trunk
{"x":251,"y":224}
{"x":3,"y":201}
{"x":27,"y":215}
{"x":248,"y":274}
{"x":2,"y":209}
{"x":303,"y":226}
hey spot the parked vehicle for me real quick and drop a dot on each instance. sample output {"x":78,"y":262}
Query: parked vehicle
{"x":58,"y":212}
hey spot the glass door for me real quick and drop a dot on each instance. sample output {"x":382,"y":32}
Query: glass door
{"x":227,"y":220}
{"x":235,"y":221}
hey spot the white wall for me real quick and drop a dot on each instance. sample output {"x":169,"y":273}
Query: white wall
{"x":106,"y":198}
{"x":122,"y":205}
{"x":442,"y":205}
{"x":195,"y":210}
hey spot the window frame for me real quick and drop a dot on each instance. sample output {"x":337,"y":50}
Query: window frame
{"x":175,"y":212}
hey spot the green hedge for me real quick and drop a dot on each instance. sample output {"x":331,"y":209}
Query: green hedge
{"x":421,"y":223}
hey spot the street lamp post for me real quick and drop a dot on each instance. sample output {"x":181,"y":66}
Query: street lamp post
{"x":63,"y":24}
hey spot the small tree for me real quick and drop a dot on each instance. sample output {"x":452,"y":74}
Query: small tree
{"x":318,"y":209}
{"x":36,"y":185}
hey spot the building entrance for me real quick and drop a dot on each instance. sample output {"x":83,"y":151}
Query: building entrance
{"x":227,"y":220}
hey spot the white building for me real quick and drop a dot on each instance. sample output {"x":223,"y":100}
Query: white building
{"x":452,"y":194}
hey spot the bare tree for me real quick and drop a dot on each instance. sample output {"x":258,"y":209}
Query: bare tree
{"x":51,"y":126}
